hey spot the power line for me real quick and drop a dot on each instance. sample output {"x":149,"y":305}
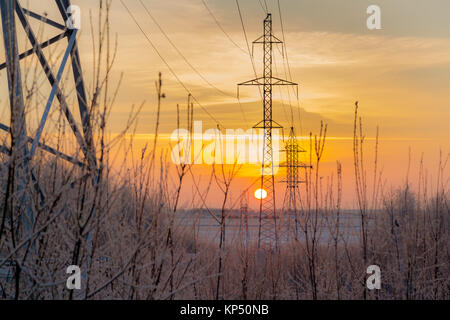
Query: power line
{"x":234,"y":43}
{"x":187,"y":61}
{"x":180,"y":53}
{"x":262,"y":6}
{"x":281,"y":94}
{"x":168,"y":66}
{"x":248,"y":46}
{"x":266,"y":8}
{"x":284,"y":66}
{"x":288,"y":66}
{"x":221,"y":28}
{"x":282,"y":33}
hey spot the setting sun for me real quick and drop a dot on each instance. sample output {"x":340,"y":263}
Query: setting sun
{"x":260,"y":194}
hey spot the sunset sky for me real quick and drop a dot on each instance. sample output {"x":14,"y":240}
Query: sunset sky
{"x":400,"y":75}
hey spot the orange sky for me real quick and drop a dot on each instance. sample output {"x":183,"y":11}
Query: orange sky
{"x":400,"y":75}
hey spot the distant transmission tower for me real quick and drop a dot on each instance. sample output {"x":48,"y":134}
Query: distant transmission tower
{"x":293,"y":180}
{"x":267,"y":233}
{"x":243,"y":215}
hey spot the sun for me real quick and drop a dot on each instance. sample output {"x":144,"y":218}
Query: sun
{"x":260,"y":194}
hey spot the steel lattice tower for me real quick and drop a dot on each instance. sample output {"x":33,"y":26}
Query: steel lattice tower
{"x":243,"y":215}
{"x":267,"y":233}
{"x":293,"y":180}
{"x":23,"y":147}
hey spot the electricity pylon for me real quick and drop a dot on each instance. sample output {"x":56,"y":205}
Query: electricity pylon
{"x":243,"y":215}
{"x":293,"y":180}
{"x":267,"y":233}
{"x":23,"y":147}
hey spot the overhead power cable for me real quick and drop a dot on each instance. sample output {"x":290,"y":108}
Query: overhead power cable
{"x":288,"y":66}
{"x":264,"y":7}
{"x":187,"y":61}
{"x":221,"y":28}
{"x":248,"y":45}
{"x":168,"y":66}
